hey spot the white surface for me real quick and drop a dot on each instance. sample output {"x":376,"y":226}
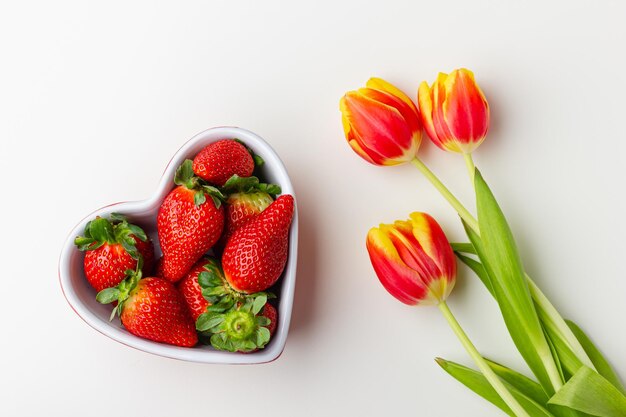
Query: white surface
{"x":81,"y":296}
{"x":120,"y":87}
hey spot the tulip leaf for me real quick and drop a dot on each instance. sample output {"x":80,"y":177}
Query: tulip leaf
{"x":475,"y":381}
{"x":501,"y":258}
{"x":478,"y":269}
{"x":521,"y":382}
{"x":589,"y":392}
{"x":463,"y":248}
{"x":601,"y":364}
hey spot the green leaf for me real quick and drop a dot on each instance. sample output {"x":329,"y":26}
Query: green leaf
{"x":272,"y":189}
{"x":478,"y":269}
{"x":247,"y":185}
{"x":601,"y":364}
{"x":511,"y":289}
{"x":216,"y":201}
{"x":86,"y":243}
{"x":568,"y":361}
{"x":240,"y":184}
{"x":521,"y":382}
{"x":208,"y":321}
{"x":475,"y":381}
{"x":184,"y":173}
{"x":258,"y":161}
{"x":463,"y":248}
{"x":263,"y":321}
{"x":130,"y":248}
{"x":199,"y":198}
{"x":569,"y":350}
{"x":102,"y":230}
{"x":216,"y":290}
{"x":108,"y":295}
{"x":262,"y":337}
{"x":258,"y":304}
{"x":137,"y":232}
{"x":589,"y":392}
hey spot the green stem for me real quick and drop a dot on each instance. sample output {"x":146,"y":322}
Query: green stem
{"x":463,"y":212}
{"x":471,"y":168}
{"x":489,"y":374}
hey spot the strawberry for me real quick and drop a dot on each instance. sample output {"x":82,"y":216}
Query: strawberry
{"x":191,"y":289}
{"x":112,"y":247}
{"x":221,"y":160}
{"x":256,"y":254}
{"x":190,"y":221}
{"x":247,"y":197}
{"x":243,"y":327}
{"x":152,"y":308}
{"x":270,"y":312}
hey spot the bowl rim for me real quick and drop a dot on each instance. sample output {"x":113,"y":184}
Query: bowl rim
{"x":197,"y":354}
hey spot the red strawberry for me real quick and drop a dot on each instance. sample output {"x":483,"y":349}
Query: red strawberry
{"x":221,"y":160}
{"x":112,"y":247}
{"x":256,"y":254}
{"x":192,"y":291}
{"x":153,"y":308}
{"x":247,"y":198}
{"x":241,"y":208}
{"x":189,"y":223}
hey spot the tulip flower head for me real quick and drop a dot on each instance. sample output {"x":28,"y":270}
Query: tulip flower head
{"x":454,"y":111}
{"x":381,"y":123}
{"x":413,"y":259}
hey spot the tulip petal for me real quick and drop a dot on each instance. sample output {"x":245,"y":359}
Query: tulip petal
{"x":445,"y":139}
{"x":425,"y":101}
{"x":411,"y":251}
{"x":409,"y":113}
{"x":378,"y":128}
{"x":433,"y":241}
{"x":465,"y":109}
{"x":398,"y":279}
{"x":382,"y":85}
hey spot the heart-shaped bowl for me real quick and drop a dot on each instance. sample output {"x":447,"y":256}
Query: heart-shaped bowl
{"x":82,"y":297}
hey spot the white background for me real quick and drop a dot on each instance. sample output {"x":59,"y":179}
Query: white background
{"x":95,"y":97}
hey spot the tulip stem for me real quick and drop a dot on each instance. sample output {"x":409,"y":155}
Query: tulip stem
{"x":471,"y":168}
{"x":465,"y":215}
{"x":486,"y":370}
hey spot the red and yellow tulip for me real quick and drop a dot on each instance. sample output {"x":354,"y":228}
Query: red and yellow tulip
{"x":413,"y":259}
{"x":454,"y":111}
{"x":381,"y":123}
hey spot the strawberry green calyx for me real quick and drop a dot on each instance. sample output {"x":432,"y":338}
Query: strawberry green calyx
{"x":186,"y":177}
{"x":239,"y":329}
{"x":237,"y":184}
{"x":258,"y":161}
{"x":122,"y":291}
{"x":117,"y":230}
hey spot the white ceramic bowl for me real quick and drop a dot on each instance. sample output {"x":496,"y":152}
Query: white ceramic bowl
{"x":82,"y":297}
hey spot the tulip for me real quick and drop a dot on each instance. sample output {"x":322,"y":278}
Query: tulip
{"x":381,"y":123}
{"x":454,"y":111}
{"x":415,"y":263}
{"x":413,"y":259}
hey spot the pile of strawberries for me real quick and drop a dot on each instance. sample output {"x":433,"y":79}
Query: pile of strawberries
{"x":188,"y":296}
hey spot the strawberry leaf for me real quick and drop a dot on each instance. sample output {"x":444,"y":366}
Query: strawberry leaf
{"x":259,"y":303}
{"x":102,"y":230}
{"x":247,"y":185}
{"x":185,"y":175}
{"x":108,"y":295}
{"x":208,"y":321}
